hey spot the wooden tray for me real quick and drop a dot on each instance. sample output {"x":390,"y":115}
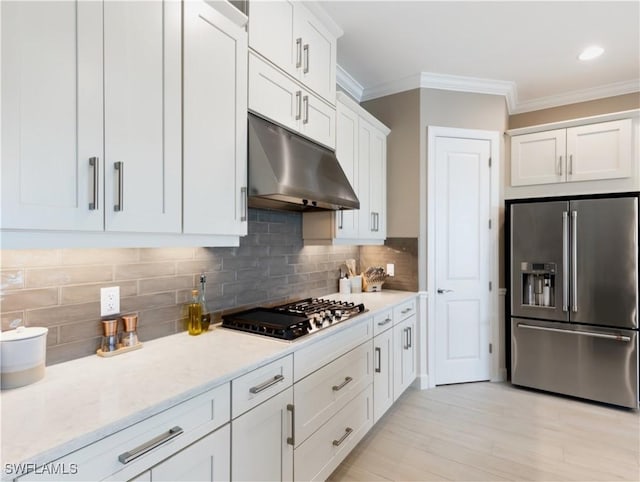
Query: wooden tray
{"x":119,"y":351}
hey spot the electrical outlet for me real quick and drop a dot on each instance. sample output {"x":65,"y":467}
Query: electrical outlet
{"x":109,"y":301}
{"x":391,"y":269}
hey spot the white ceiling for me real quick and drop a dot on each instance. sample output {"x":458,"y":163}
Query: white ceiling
{"x":525,"y":50}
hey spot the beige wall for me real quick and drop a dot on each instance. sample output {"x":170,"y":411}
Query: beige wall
{"x":401,"y":113}
{"x":608,"y":105}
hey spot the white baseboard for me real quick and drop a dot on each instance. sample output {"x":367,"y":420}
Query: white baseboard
{"x":502,"y":376}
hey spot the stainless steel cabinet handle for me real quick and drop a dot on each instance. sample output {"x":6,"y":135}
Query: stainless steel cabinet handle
{"x":244,"y":204}
{"x":377,"y":219}
{"x":94,"y":162}
{"x":347,"y":432}
{"x":306,"y":58}
{"x":441,"y":291}
{"x":407,"y":310}
{"x":373,"y":221}
{"x":298,"y":105}
{"x":410,"y":336}
{"x":570,"y":164}
{"x":560,"y":166}
{"x":140,"y":450}
{"x":292,"y":440}
{"x":305,"y":101}
{"x":263,"y":386}
{"x":574,"y":261}
{"x":298,"y":52}
{"x":337,"y":388}
{"x":591,"y":334}
{"x":386,"y":321}
{"x":378,"y":351}
{"x":565,"y":261}
{"x":119,"y":166}
{"x":341,"y":219}
{"x":405,"y":331}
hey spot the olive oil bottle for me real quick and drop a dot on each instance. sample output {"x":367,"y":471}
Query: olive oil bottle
{"x":194,"y":321}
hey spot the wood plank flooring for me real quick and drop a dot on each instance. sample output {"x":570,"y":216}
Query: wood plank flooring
{"x":494,"y":431}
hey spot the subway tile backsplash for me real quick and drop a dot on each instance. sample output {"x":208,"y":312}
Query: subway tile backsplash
{"x":60,"y":288}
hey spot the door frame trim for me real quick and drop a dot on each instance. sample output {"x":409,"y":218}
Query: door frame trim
{"x":494,"y":240}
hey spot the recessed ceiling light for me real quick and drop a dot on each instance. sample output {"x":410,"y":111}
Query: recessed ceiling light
{"x":591,"y":53}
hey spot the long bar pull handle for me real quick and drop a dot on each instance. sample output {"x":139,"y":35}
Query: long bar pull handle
{"x":94,"y":162}
{"x":406,"y":338}
{"x":269,"y":383}
{"x":292,"y":409}
{"x":410,"y":336}
{"x":140,"y":450}
{"x":590,"y":334}
{"x":298,"y":52}
{"x":347,"y":432}
{"x":305,"y":101}
{"x":574,"y":261}
{"x":565,"y":261}
{"x":386,"y":321}
{"x":570,"y":164}
{"x":119,"y":166}
{"x":298,"y":105}
{"x":378,"y":367}
{"x":306,"y":58}
{"x":337,"y":388}
{"x":373,"y":221}
{"x":244,"y":204}
{"x":560,"y":166}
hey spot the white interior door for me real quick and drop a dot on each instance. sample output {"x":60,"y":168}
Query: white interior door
{"x":462,"y":254}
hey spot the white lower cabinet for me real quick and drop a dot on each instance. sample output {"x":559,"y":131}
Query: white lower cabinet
{"x":261,"y":444}
{"x":404,"y":355}
{"x":209,"y":459}
{"x":319,"y":455}
{"x":382,"y":373}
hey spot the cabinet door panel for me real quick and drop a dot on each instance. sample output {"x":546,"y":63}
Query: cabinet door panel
{"x":377,"y":184}
{"x":404,"y":355}
{"x":272,"y":94}
{"x":209,"y":459}
{"x":318,"y":70}
{"x":215,"y":122}
{"x":51,"y":114}
{"x":271,"y":33}
{"x":259,"y":449}
{"x":142,"y":115}
{"x":538,"y":158}
{"x":347,"y":153}
{"x":318,"y":120}
{"x":382,"y":374}
{"x":599,"y":151}
{"x":365,"y":221}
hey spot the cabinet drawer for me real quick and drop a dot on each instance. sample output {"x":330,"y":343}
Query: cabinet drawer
{"x":324,"y":351}
{"x":317,"y":457}
{"x":195,"y":418}
{"x":261,"y":384}
{"x":327,"y":390}
{"x":404,"y":310}
{"x":382,"y":321}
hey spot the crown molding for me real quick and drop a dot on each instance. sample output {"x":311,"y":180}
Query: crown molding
{"x":584,"y":95}
{"x":350,"y":85}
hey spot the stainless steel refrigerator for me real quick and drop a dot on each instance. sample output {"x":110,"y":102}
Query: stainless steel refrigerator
{"x":574,"y":297}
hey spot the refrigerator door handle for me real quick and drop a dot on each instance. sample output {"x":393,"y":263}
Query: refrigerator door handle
{"x":574,"y":261}
{"x":565,"y":261}
{"x":575,"y":332}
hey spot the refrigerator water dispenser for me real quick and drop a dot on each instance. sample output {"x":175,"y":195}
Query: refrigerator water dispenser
{"x":538,"y":284}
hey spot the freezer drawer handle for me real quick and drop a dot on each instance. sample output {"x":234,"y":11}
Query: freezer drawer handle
{"x":574,"y":332}
{"x":269,"y":383}
{"x":127,"y":457}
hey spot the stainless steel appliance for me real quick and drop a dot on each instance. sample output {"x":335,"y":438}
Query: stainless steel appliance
{"x":293,"y":320}
{"x":574,"y":297}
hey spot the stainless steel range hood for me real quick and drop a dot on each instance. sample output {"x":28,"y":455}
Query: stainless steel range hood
{"x":289,"y":172}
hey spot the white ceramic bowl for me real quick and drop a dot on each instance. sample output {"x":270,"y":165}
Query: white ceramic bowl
{"x":22,"y":356}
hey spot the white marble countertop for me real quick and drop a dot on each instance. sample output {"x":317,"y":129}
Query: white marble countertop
{"x":83,"y":400}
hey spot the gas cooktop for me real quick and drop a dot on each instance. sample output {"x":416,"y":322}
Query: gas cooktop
{"x":293,"y":320}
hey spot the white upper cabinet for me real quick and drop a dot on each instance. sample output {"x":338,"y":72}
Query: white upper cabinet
{"x":142,"y":130}
{"x":590,"y":152}
{"x":52,"y":115}
{"x":361,"y":149}
{"x":290,"y":36}
{"x":215,"y":118}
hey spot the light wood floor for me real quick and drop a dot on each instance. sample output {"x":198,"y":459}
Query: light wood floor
{"x":494,"y":431}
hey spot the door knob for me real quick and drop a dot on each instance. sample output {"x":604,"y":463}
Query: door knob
{"x":444,"y":291}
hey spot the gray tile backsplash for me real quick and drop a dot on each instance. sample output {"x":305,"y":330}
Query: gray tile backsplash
{"x":60,"y":288}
